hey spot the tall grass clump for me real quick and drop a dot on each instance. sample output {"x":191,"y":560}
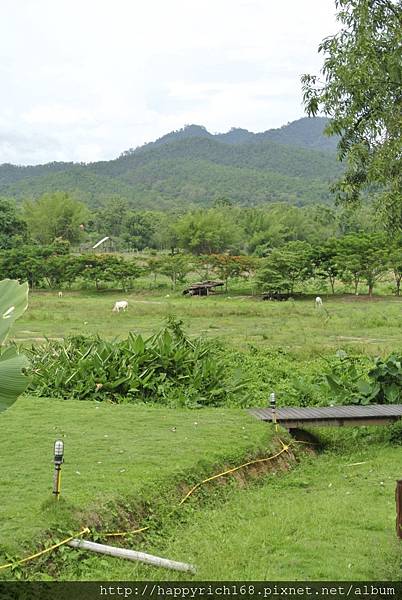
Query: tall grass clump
{"x":167,"y":368}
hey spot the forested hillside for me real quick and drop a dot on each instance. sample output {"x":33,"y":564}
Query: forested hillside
{"x":193,"y":167}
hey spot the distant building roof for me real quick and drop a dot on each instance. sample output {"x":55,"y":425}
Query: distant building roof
{"x":102,"y":241}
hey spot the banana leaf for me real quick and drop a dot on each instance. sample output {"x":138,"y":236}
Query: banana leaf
{"x":13,"y":381}
{"x":13,"y":303}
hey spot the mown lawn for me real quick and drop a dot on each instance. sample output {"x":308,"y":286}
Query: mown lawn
{"x":110,"y":452}
{"x":327,"y":519}
{"x":371,"y":326}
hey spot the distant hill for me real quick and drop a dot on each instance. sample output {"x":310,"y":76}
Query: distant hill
{"x":191,"y":166}
{"x":303,"y":133}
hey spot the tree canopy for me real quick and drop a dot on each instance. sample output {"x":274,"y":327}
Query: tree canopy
{"x":361,"y":91}
{"x":56,"y":215}
{"x":13,"y":229}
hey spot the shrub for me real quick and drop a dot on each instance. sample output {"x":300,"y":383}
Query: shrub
{"x":395,"y":433}
{"x":385,"y":386}
{"x":167,"y":368}
{"x":346,"y":377}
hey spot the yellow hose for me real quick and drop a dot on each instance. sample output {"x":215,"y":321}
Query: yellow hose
{"x":251,"y":462}
{"x":24,"y":560}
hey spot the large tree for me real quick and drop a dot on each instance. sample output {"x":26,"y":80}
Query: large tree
{"x":362,"y":257}
{"x":13,"y":230}
{"x":55,"y":215}
{"x":286,"y":267}
{"x":360,"y":89}
{"x":111,"y":218}
{"x":208,"y":231}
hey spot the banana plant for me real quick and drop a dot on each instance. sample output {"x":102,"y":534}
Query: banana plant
{"x":13,"y":381}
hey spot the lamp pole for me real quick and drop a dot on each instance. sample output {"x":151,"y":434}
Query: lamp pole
{"x":272,"y":402}
{"x":58,"y":461}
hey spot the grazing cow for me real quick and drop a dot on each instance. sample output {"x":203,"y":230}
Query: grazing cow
{"x":60,"y":294}
{"x":318,"y":302}
{"x":120,"y":305}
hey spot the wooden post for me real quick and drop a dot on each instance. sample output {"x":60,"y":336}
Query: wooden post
{"x":398,"y":498}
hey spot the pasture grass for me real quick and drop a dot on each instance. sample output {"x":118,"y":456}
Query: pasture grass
{"x":324,"y":520}
{"x":327,"y":519}
{"x":372,"y":326}
{"x":111,"y":452}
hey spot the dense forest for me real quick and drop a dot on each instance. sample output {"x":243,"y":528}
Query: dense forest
{"x":192,"y":167}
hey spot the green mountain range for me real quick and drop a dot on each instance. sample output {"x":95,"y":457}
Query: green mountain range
{"x":191,"y":167}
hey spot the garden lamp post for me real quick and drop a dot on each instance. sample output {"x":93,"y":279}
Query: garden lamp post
{"x":58,"y":461}
{"x":272,"y":402}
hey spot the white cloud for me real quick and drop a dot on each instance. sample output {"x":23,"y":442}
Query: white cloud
{"x":85,"y":80}
{"x":57,"y":114}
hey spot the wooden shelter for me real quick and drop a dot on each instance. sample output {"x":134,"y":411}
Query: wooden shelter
{"x":202,"y":288}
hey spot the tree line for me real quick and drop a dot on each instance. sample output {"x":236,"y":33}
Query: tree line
{"x":353,"y":260}
{"x":225,"y":227}
{"x":278,"y":247}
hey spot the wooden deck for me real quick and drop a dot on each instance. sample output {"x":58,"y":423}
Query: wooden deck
{"x":331,"y":416}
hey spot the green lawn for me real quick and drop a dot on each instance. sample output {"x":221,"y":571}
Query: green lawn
{"x":324,"y":520}
{"x":110,"y":452}
{"x":373,"y":326}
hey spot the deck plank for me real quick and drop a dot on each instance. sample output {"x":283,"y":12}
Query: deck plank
{"x":331,"y":414}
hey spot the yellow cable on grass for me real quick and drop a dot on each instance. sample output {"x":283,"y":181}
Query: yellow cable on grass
{"x":123,"y":533}
{"x":251,"y":462}
{"x":24,"y":560}
{"x":285,"y":447}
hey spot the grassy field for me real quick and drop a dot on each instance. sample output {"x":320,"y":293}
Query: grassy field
{"x":373,"y":326}
{"x":323,"y":520}
{"x":110,"y":452}
{"x":327,"y":519}
{"x":331,"y":517}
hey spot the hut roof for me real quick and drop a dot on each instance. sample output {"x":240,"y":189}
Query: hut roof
{"x":102,"y":241}
{"x":206,"y":285}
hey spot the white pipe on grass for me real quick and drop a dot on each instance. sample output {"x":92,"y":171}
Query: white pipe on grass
{"x":132,"y":555}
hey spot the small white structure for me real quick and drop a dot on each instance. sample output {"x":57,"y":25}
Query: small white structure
{"x":106,"y":244}
{"x":318,"y":302}
{"x":120,"y":305}
{"x":60,"y":294}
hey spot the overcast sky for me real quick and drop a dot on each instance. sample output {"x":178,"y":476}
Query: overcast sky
{"x":84,"y":80}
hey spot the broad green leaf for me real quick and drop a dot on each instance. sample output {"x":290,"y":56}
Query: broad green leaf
{"x":13,"y":303}
{"x":364,"y":387}
{"x":12,"y":380}
{"x":392,"y":393}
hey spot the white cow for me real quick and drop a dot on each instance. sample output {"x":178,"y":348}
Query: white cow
{"x":120,"y":305}
{"x":60,"y":294}
{"x":318,"y":302}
